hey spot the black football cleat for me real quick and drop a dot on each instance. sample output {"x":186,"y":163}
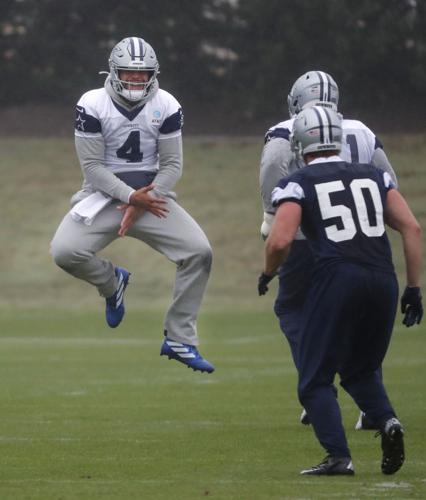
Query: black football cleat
{"x":331,"y":466}
{"x":392,"y":435}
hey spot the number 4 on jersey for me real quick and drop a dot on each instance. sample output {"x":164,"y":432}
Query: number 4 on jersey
{"x":130,"y":150}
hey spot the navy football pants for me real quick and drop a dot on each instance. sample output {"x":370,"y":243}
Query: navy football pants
{"x":347,"y":325}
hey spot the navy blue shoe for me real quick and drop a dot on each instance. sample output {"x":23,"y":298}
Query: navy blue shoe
{"x":331,"y":466}
{"x":114,"y":311}
{"x":186,"y":354}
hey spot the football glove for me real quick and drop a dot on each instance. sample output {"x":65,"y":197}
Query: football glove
{"x":411,"y":306}
{"x":262,"y":284}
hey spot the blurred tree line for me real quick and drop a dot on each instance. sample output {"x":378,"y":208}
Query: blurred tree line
{"x":231,"y":63}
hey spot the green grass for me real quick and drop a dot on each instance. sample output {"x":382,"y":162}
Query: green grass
{"x":88,"y":412}
{"x":219,"y":188}
{"x":92,"y":413}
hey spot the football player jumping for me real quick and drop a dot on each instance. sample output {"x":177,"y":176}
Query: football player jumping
{"x":129,"y":144}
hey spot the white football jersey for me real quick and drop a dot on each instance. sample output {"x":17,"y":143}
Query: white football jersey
{"x":130,"y":136}
{"x":358,"y":144}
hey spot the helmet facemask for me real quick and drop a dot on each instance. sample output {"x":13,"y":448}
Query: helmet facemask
{"x":132,"y":91}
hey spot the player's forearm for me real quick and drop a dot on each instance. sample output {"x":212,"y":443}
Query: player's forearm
{"x":274,"y":163}
{"x":274,"y":257}
{"x":277,"y":248}
{"x":284,"y":228}
{"x":412,"y":243}
{"x":171,"y":160}
{"x":91,"y":153}
{"x":398,"y":216}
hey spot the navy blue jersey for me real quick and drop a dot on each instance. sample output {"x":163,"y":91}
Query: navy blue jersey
{"x":342,"y":211}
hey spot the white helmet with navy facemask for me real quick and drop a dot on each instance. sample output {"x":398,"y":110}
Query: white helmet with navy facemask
{"x":317,"y":129}
{"x":311,"y":89}
{"x":134,"y":54}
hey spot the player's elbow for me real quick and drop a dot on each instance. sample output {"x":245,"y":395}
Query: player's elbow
{"x":417,"y":230}
{"x":413,"y":229}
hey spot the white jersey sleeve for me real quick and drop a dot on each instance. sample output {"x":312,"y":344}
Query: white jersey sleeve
{"x":360,"y":145}
{"x":275,"y":161}
{"x":171,"y":117}
{"x":87,"y":120}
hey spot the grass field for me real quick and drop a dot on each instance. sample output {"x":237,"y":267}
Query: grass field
{"x":93,"y":413}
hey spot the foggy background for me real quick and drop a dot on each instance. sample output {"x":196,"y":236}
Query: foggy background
{"x":230,"y":63}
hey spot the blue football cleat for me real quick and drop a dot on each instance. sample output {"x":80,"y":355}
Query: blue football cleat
{"x":114,"y":311}
{"x":186,"y":354}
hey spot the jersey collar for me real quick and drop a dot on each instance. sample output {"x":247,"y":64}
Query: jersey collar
{"x":129,"y":114}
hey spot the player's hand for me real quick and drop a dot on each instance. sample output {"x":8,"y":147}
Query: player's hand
{"x":130,"y":215}
{"x":262,"y":284}
{"x":142,"y":198}
{"x":411,"y":306}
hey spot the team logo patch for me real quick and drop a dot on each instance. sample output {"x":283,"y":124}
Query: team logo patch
{"x":79,"y":122}
{"x":156,"y":116}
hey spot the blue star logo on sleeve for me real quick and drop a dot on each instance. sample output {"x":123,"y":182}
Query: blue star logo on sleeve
{"x":79,"y":123}
{"x":85,"y":122}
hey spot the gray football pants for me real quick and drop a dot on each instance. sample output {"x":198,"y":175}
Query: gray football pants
{"x":178,"y":237}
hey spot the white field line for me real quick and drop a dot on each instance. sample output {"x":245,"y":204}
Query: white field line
{"x":75,"y":341}
{"x":12,"y":439}
{"x":96,"y":341}
{"x":391,"y":485}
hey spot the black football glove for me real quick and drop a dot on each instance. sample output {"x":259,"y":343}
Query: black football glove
{"x":262,"y":284}
{"x":411,"y":306}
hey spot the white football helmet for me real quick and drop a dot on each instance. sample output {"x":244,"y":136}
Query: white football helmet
{"x":312,"y":89}
{"x":317,"y":129}
{"x":133,"y":54}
